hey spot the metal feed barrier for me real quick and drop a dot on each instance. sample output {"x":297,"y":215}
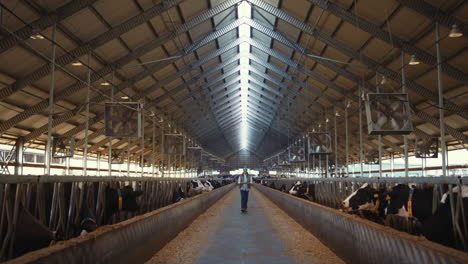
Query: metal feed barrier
{"x":356,"y":240}
{"x":332,"y":191}
{"x":133,"y":241}
{"x":56,"y":201}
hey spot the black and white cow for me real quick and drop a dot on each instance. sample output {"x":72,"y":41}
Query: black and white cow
{"x":178,"y":194}
{"x":368,"y":202}
{"x":272,"y":185}
{"x":361,"y":199}
{"x":195,"y":187}
{"x":208,"y":187}
{"x":439,"y":227}
{"x":283,"y":188}
{"x":300,"y":190}
{"x":31,"y":234}
{"x":421,"y":202}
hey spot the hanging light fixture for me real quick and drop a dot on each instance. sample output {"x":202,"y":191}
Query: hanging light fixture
{"x":36,"y":34}
{"x":77,"y":64}
{"x":414,"y":60}
{"x":455,"y":32}
{"x":124,"y":97}
{"x":383,"y":81}
{"x":105,"y":83}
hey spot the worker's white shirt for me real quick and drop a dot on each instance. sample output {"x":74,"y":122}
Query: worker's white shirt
{"x":245,"y":179}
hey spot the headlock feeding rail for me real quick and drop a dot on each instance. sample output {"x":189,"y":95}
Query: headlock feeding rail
{"x":332,"y":192}
{"x":132,"y":241}
{"x":360,"y":241}
{"x":39,"y":209}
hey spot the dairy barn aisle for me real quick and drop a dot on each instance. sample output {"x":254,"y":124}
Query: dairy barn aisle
{"x":122,"y":121}
{"x":265,"y":234}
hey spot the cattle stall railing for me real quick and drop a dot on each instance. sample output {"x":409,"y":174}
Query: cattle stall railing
{"x":356,"y":240}
{"x":332,"y":191}
{"x":57,"y":202}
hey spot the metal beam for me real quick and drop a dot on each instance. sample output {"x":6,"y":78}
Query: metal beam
{"x":356,"y":54}
{"x":435,"y":14}
{"x":120,"y":62}
{"x":43,"y":23}
{"x":377,"y":32}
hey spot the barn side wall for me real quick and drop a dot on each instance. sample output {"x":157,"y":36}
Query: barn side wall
{"x":131,"y":241}
{"x":360,"y":241}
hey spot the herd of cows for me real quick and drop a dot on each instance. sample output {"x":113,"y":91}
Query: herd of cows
{"x":197,"y":186}
{"x":32,"y":234}
{"x":404,"y":207}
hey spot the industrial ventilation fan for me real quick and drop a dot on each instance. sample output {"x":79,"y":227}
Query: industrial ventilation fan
{"x":388,"y":114}
{"x":426,"y":148}
{"x":371,"y":158}
{"x":297,"y":151}
{"x":63,"y":147}
{"x":275,"y":162}
{"x":283,"y":158}
{"x":204,"y":158}
{"x":193,"y":154}
{"x":118,"y":156}
{"x":174,"y":144}
{"x":123,"y":119}
{"x":319,"y":143}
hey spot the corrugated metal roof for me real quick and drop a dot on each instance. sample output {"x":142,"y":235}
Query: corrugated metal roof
{"x":200,"y":91}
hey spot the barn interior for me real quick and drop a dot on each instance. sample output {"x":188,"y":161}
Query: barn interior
{"x":156,"y":94}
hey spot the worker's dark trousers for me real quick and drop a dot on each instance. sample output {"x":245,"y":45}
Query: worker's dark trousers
{"x":244,"y":199}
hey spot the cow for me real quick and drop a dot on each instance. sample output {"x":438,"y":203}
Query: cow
{"x":439,"y":227}
{"x":295,"y":188}
{"x":120,"y":199}
{"x":368,"y":202}
{"x":300,"y":190}
{"x":283,"y":188}
{"x":195,"y":187}
{"x":215,"y":184}
{"x":272,"y":185}
{"x":32,"y":234}
{"x":208,"y":187}
{"x":178,"y":194}
{"x":421,"y":202}
{"x":361,"y":199}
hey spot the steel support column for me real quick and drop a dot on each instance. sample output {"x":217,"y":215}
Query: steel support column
{"x":48,"y":151}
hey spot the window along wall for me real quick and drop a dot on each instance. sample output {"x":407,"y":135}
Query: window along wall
{"x":34,"y":159}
